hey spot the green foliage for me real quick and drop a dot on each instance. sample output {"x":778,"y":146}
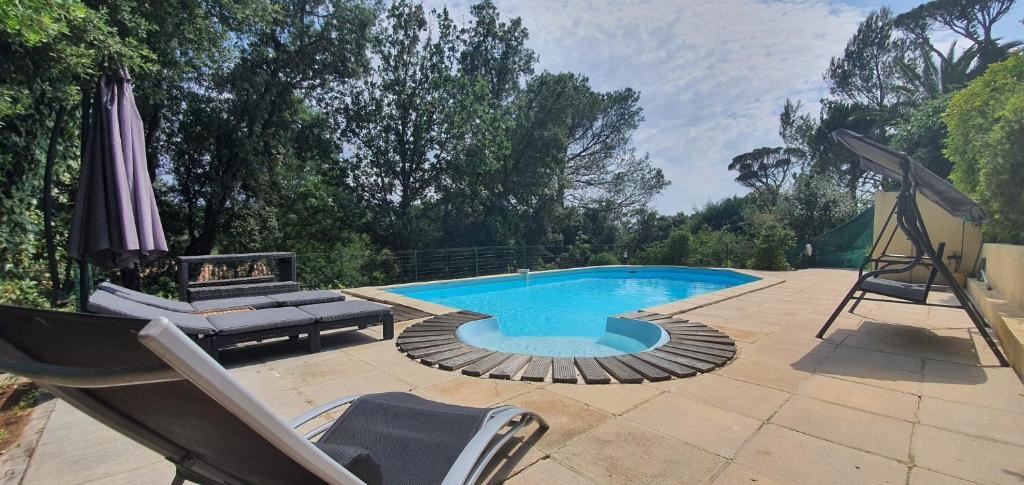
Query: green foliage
{"x":772,"y":241}
{"x":604,"y":259}
{"x":920,"y":134}
{"x":677,"y":248}
{"x":721,"y":249}
{"x":766,"y":170}
{"x":814,"y":205}
{"x":986,"y":145}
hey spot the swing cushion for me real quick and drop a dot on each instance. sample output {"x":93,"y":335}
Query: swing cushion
{"x":895,"y":289}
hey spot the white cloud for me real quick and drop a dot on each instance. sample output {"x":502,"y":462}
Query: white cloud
{"x":713,"y":74}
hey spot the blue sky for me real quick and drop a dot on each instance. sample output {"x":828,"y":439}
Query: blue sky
{"x":713,"y":74}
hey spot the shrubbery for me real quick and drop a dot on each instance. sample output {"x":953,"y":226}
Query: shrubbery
{"x":604,"y":259}
{"x":986,"y":145}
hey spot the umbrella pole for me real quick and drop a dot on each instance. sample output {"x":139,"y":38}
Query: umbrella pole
{"x":84,"y":285}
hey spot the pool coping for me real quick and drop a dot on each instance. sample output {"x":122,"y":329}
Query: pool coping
{"x":382,"y":295}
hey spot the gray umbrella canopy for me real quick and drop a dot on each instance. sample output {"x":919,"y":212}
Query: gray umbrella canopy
{"x":115,"y":223}
{"x":887,"y":162}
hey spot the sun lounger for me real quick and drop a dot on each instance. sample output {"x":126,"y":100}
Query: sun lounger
{"x":151,"y":383}
{"x":294,"y":298}
{"x":226,"y":328}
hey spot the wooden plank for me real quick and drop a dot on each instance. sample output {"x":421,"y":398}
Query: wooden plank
{"x":433,"y":343}
{"x":692,"y":363}
{"x":412,"y":340}
{"x":436,"y":326}
{"x":463,"y":360}
{"x":700,"y":332}
{"x":508,"y":368}
{"x":689,"y":354}
{"x":649,"y":372}
{"x":563,"y":371}
{"x":420,"y":353}
{"x":487,"y":363}
{"x":711,"y":340}
{"x":727,"y":354}
{"x":666,"y":365}
{"x":707,"y":345}
{"x":418,"y":331}
{"x":591,"y":371}
{"x":435,"y":358}
{"x":619,"y":371}
{"x":537,"y":369}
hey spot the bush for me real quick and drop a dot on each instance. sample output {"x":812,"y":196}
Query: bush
{"x":723,"y":249}
{"x":773,"y":241}
{"x":677,"y":248}
{"x":986,"y":146}
{"x":604,"y":259}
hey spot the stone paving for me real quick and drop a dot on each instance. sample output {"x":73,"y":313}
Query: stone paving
{"x":895,"y":394}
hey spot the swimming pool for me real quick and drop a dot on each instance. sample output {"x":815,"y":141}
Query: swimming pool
{"x":569,"y":313}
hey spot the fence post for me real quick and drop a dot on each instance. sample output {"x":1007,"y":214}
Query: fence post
{"x":524,"y":258}
{"x":476,"y":261}
{"x":415,"y":265}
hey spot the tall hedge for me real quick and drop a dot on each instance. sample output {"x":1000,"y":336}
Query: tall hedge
{"x":986,"y":146}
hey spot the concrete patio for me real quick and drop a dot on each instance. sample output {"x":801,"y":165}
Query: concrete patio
{"x":895,"y":394}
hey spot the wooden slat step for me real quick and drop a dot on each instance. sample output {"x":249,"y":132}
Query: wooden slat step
{"x":473,"y":314}
{"x":687,"y":361}
{"x":666,"y":364}
{"x":649,"y":372}
{"x":537,"y":369}
{"x":619,"y":371}
{"x":651,"y":316}
{"x":707,"y":345}
{"x":420,"y":353}
{"x":437,"y":326}
{"x":710,"y":340}
{"x":563,"y":371}
{"x":716,"y":360}
{"x":413,"y":332}
{"x":508,"y":368}
{"x":591,"y":371}
{"x":435,"y":358}
{"x":681,"y":325}
{"x":463,"y":360}
{"x":433,"y":343}
{"x":727,"y":354}
{"x":412,"y":340}
{"x":633,"y":315}
{"x":485,"y":364}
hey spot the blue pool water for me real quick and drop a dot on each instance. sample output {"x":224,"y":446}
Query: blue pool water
{"x":566,"y":313}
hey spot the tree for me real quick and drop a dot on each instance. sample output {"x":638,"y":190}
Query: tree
{"x":868,"y":71}
{"x":814,"y":205}
{"x":766,"y":170}
{"x":970,"y":19}
{"x":921,"y":132}
{"x":986,"y":146}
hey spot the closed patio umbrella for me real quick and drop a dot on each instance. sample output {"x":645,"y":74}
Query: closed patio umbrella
{"x":115,"y":222}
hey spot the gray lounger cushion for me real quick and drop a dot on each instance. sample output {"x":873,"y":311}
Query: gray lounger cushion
{"x":145,"y":299}
{"x":106,"y":303}
{"x":256,"y":302}
{"x":299,"y":298}
{"x":265,"y":319}
{"x":344,"y":310}
{"x":414,"y":440}
{"x":895,"y":289}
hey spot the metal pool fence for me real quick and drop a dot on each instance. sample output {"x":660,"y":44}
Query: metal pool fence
{"x":359,"y":268}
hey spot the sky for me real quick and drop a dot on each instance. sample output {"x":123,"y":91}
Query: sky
{"x":712,"y":74}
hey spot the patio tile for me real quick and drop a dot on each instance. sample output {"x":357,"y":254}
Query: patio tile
{"x":710,"y":428}
{"x":778,"y":376}
{"x":797,"y":457}
{"x":162,"y":472}
{"x":804,"y":361}
{"x":740,"y":397}
{"x":889,"y":337}
{"x":861,"y":396}
{"x":891,"y":371}
{"x":980,"y":386}
{"x":973,"y":459}
{"x":89,"y":451}
{"x":548,"y":471}
{"x":622,"y":452}
{"x":809,"y":345}
{"x":994,"y":424}
{"x":517,"y":455}
{"x":469,"y":391}
{"x":846,"y":426}
{"x":316,"y":368}
{"x":567,"y":418}
{"x":922,"y":476}
{"x":365,"y":383}
{"x":611,"y":398}
{"x":736,"y":474}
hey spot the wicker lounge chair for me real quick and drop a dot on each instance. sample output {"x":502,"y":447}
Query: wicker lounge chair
{"x":214,"y":332}
{"x":149,"y":382}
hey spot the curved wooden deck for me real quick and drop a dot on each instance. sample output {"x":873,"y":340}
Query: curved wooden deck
{"x":692,"y":348}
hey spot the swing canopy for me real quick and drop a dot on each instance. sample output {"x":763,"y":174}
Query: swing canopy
{"x":888,"y":163}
